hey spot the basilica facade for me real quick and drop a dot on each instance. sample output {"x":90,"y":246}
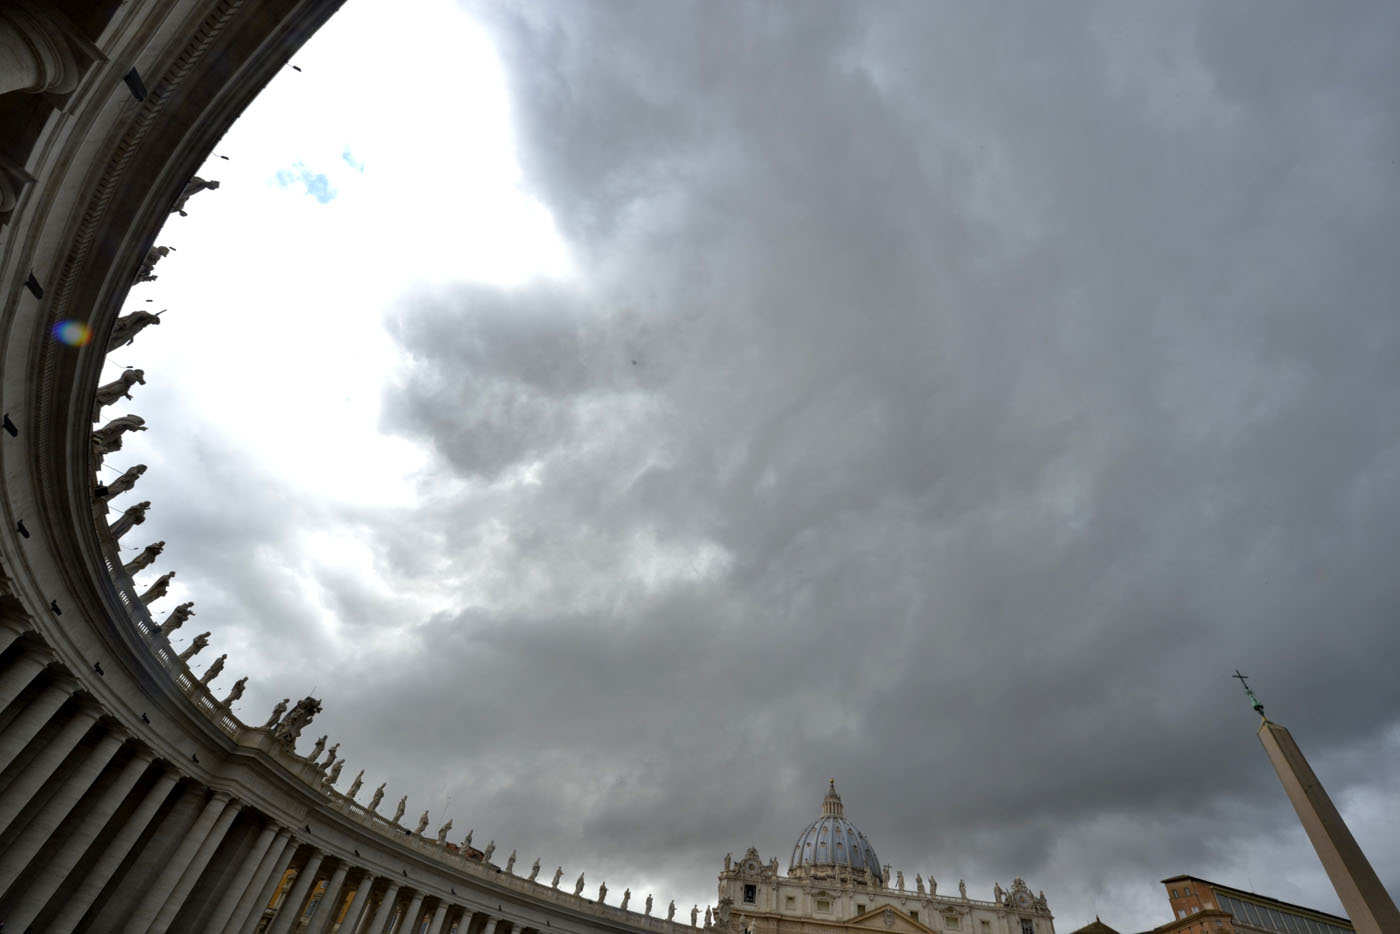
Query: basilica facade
{"x":836,"y":884}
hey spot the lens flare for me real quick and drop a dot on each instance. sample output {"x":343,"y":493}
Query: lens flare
{"x":72,"y":333}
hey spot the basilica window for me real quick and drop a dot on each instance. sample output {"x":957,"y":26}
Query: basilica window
{"x":823,"y":904}
{"x":914,"y":915}
{"x":750,"y":894}
{"x":860,"y":910}
{"x":952,"y":922}
{"x":1027,"y":926}
{"x":986,"y":927}
{"x":790,"y":902}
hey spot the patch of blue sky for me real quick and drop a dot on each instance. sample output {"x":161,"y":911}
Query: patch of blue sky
{"x":317,"y":184}
{"x":357,"y":164}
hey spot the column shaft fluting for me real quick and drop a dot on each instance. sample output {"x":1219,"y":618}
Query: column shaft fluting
{"x":17,"y":675}
{"x":289,"y":912}
{"x":22,"y":849}
{"x":29,"y":721}
{"x":160,"y":888}
{"x":439,"y":918}
{"x":326,"y":910}
{"x":42,"y":888}
{"x":386,"y":907}
{"x":238,"y":885}
{"x":262,"y":894}
{"x":168,"y":911}
{"x":96,"y":878}
{"x":359,"y":905}
{"x":33,"y":776}
{"x":411,"y":913}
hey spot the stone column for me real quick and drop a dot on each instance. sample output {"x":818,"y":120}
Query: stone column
{"x":10,"y":630}
{"x":357,"y":910}
{"x":17,"y":676}
{"x":238,"y":885}
{"x":161,"y":889}
{"x":41,"y":889}
{"x":290,"y":910}
{"x":28,"y":782}
{"x":168,"y":912}
{"x":94,"y":880}
{"x":439,"y":917}
{"x":22,"y":849}
{"x":386,"y":907}
{"x":490,"y":926}
{"x":29,"y":721}
{"x":411,"y":915}
{"x":331,"y":900}
{"x":35,"y":55}
{"x":250,"y":909}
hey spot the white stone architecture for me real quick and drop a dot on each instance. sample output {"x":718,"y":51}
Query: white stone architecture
{"x":835,"y":884}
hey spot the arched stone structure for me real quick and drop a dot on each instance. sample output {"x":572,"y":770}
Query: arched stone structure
{"x":131,"y":798}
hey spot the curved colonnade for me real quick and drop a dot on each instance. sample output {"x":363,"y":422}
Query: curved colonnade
{"x":131,"y":798}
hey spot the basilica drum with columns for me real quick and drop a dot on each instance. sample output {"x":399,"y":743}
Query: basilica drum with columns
{"x":835,"y":884}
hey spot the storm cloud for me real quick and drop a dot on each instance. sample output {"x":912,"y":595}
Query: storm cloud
{"x":947,"y":400}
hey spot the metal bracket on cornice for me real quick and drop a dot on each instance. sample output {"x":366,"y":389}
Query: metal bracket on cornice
{"x":11,"y":427}
{"x":133,"y":81}
{"x":53,"y":605}
{"x":32,"y":284}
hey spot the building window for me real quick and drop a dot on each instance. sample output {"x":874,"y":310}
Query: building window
{"x":914,"y":915}
{"x":860,"y":910}
{"x":986,"y":927}
{"x":790,"y":902}
{"x":1187,"y":890}
{"x":750,"y":894}
{"x":1174,"y":895}
{"x":823,"y":905}
{"x":1027,"y":926}
{"x":952,"y":922}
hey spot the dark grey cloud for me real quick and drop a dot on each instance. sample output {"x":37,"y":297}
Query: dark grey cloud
{"x":950,"y":397}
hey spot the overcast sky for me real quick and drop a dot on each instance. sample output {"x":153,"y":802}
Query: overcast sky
{"x":626,"y":416}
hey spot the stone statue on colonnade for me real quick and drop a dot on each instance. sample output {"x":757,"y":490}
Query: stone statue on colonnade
{"x":158,"y":589}
{"x":301,"y":714}
{"x":119,"y":388}
{"x":214,"y":669}
{"x":200,"y":641}
{"x":237,"y":692}
{"x":422,"y":823}
{"x":334,"y":775}
{"x":316,"y":749}
{"x":671,"y":911}
{"x":398,"y":811}
{"x":355,"y":785}
{"x":602,"y":893}
{"x":193,"y":187}
{"x":647,"y":913}
{"x":148,"y":266}
{"x":694,"y":915}
{"x":330,"y":756}
{"x":277,"y":712}
{"x":534,"y":869}
{"x":133,"y":516}
{"x":510,"y":863}
{"x":558,"y":874}
{"x":145,"y":559}
{"x":626,"y":897}
{"x":378,"y":797}
{"x":126,"y":328}
{"x":442,"y":832}
{"x":123,"y":483}
{"x":490,"y":848}
{"x":578,"y":886}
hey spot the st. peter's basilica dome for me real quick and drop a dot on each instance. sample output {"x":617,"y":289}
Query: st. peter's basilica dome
{"x":832,"y":844}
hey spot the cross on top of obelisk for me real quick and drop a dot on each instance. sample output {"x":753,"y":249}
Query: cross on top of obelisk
{"x":1258,"y":707}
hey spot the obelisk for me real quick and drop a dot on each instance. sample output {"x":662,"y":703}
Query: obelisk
{"x":1363,"y":897}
